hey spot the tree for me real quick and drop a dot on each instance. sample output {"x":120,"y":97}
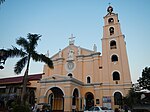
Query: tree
{"x":27,"y":52}
{"x":144,"y":81}
{"x":1,"y":1}
{"x":132,"y":98}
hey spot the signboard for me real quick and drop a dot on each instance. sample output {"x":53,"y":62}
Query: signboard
{"x":106,"y":99}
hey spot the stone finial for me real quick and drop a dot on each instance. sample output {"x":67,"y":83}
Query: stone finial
{"x":47,"y":54}
{"x":95,"y":48}
{"x":60,"y":53}
{"x":79,"y":50}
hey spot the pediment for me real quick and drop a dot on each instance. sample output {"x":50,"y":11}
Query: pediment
{"x":71,"y":51}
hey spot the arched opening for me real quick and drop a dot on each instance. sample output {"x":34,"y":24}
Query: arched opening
{"x":75,"y":99}
{"x":88,"y":79}
{"x":70,"y":75}
{"x":32,"y":97}
{"x":113,"y":44}
{"x":111,"y":30}
{"x":114,"y":58}
{"x":116,"y":76}
{"x":118,"y":98}
{"x":89,"y":100}
{"x":110,"y":20}
{"x":56,"y":99}
{"x":50,"y":99}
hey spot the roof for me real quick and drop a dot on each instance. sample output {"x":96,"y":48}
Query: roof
{"x":19,"y":79}
{"x":77,"y":52}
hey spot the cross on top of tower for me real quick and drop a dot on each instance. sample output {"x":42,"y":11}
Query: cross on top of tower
{"x":109,"y":9}
{"x":71,"y":41}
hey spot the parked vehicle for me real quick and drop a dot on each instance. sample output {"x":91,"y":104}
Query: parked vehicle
{"x":99,"y":109}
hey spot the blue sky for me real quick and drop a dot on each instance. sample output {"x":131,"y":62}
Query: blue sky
{"x":56,"y":20}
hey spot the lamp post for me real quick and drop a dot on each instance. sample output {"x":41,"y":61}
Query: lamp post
{"x":3,"y":57}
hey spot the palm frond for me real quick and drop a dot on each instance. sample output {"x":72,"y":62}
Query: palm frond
{"x":1,"y":1}
{"x":20,"y":65}
{"x":42,"y":58}
{"x":14,"y":52}
{"x":23,"y":43}
{"x":33,"y":39}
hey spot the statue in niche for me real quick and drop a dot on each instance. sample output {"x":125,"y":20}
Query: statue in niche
{"x":70,"y":54}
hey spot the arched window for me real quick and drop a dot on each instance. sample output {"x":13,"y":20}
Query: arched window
{"x":114,"y":58}
{"x":116,"y":76}
{"x":118,"y":98}
{"x":111,"y":30}
{"x":113,"y":44}
{"x":70,"y":75}
{"x":88,"y":79}
{"x":110,"y":20}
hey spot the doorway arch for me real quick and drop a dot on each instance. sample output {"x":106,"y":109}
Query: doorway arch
{"x":117,"y":98}
{"x":75,"y":99}
{"x":89,"y":100}
{"x":56,"y":99}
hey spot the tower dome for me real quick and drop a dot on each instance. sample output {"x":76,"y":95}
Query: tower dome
{"x":109,"y":9}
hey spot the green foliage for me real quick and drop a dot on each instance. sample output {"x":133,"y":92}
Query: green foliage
{"x":26,"y":53}
{"x":21,"y":108}
{"x":1,"y":1}
{"x":18,"y":107}
{"x":144,"y":81}
{"x":132,"y":98}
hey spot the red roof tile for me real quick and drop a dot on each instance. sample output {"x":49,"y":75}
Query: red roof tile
{"x":12,"y":80}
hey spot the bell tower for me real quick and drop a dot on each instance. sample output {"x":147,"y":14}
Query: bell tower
{"x":114,"y":56}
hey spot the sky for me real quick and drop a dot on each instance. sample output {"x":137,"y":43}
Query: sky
{"x":56,"y":20}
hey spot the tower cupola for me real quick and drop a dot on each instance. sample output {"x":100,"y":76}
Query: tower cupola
{"x":109,"y":9}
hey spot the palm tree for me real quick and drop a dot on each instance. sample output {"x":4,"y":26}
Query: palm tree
{"x":1,"y":1}
{"x":27,"y":52}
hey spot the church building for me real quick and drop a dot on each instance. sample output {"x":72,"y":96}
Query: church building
{"x":82,"y":78}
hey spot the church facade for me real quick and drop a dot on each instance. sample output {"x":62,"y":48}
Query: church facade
{"x":82,"y":78}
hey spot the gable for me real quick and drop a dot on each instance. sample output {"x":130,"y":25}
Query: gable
{"x":72,"y":50}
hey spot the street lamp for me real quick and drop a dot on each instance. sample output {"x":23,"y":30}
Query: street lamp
{"x":3,"y":57}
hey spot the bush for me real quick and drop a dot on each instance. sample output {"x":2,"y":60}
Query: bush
{"x":21,"y":108}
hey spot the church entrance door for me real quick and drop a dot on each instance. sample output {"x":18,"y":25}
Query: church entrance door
{"x":56,"y":99}
{"x":89,"y":98}
{"x":118,"y":98}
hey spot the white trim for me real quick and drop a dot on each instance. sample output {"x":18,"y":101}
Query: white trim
{"x":77,"y":89}
{"x":117,"y":91}
{"x":90,"y":79}
{"x":52,"y":87}
{"x":112,"y":55}
{"x":112,"y":40}
{"x":70,"y":73}
{"x":115,"y":71}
